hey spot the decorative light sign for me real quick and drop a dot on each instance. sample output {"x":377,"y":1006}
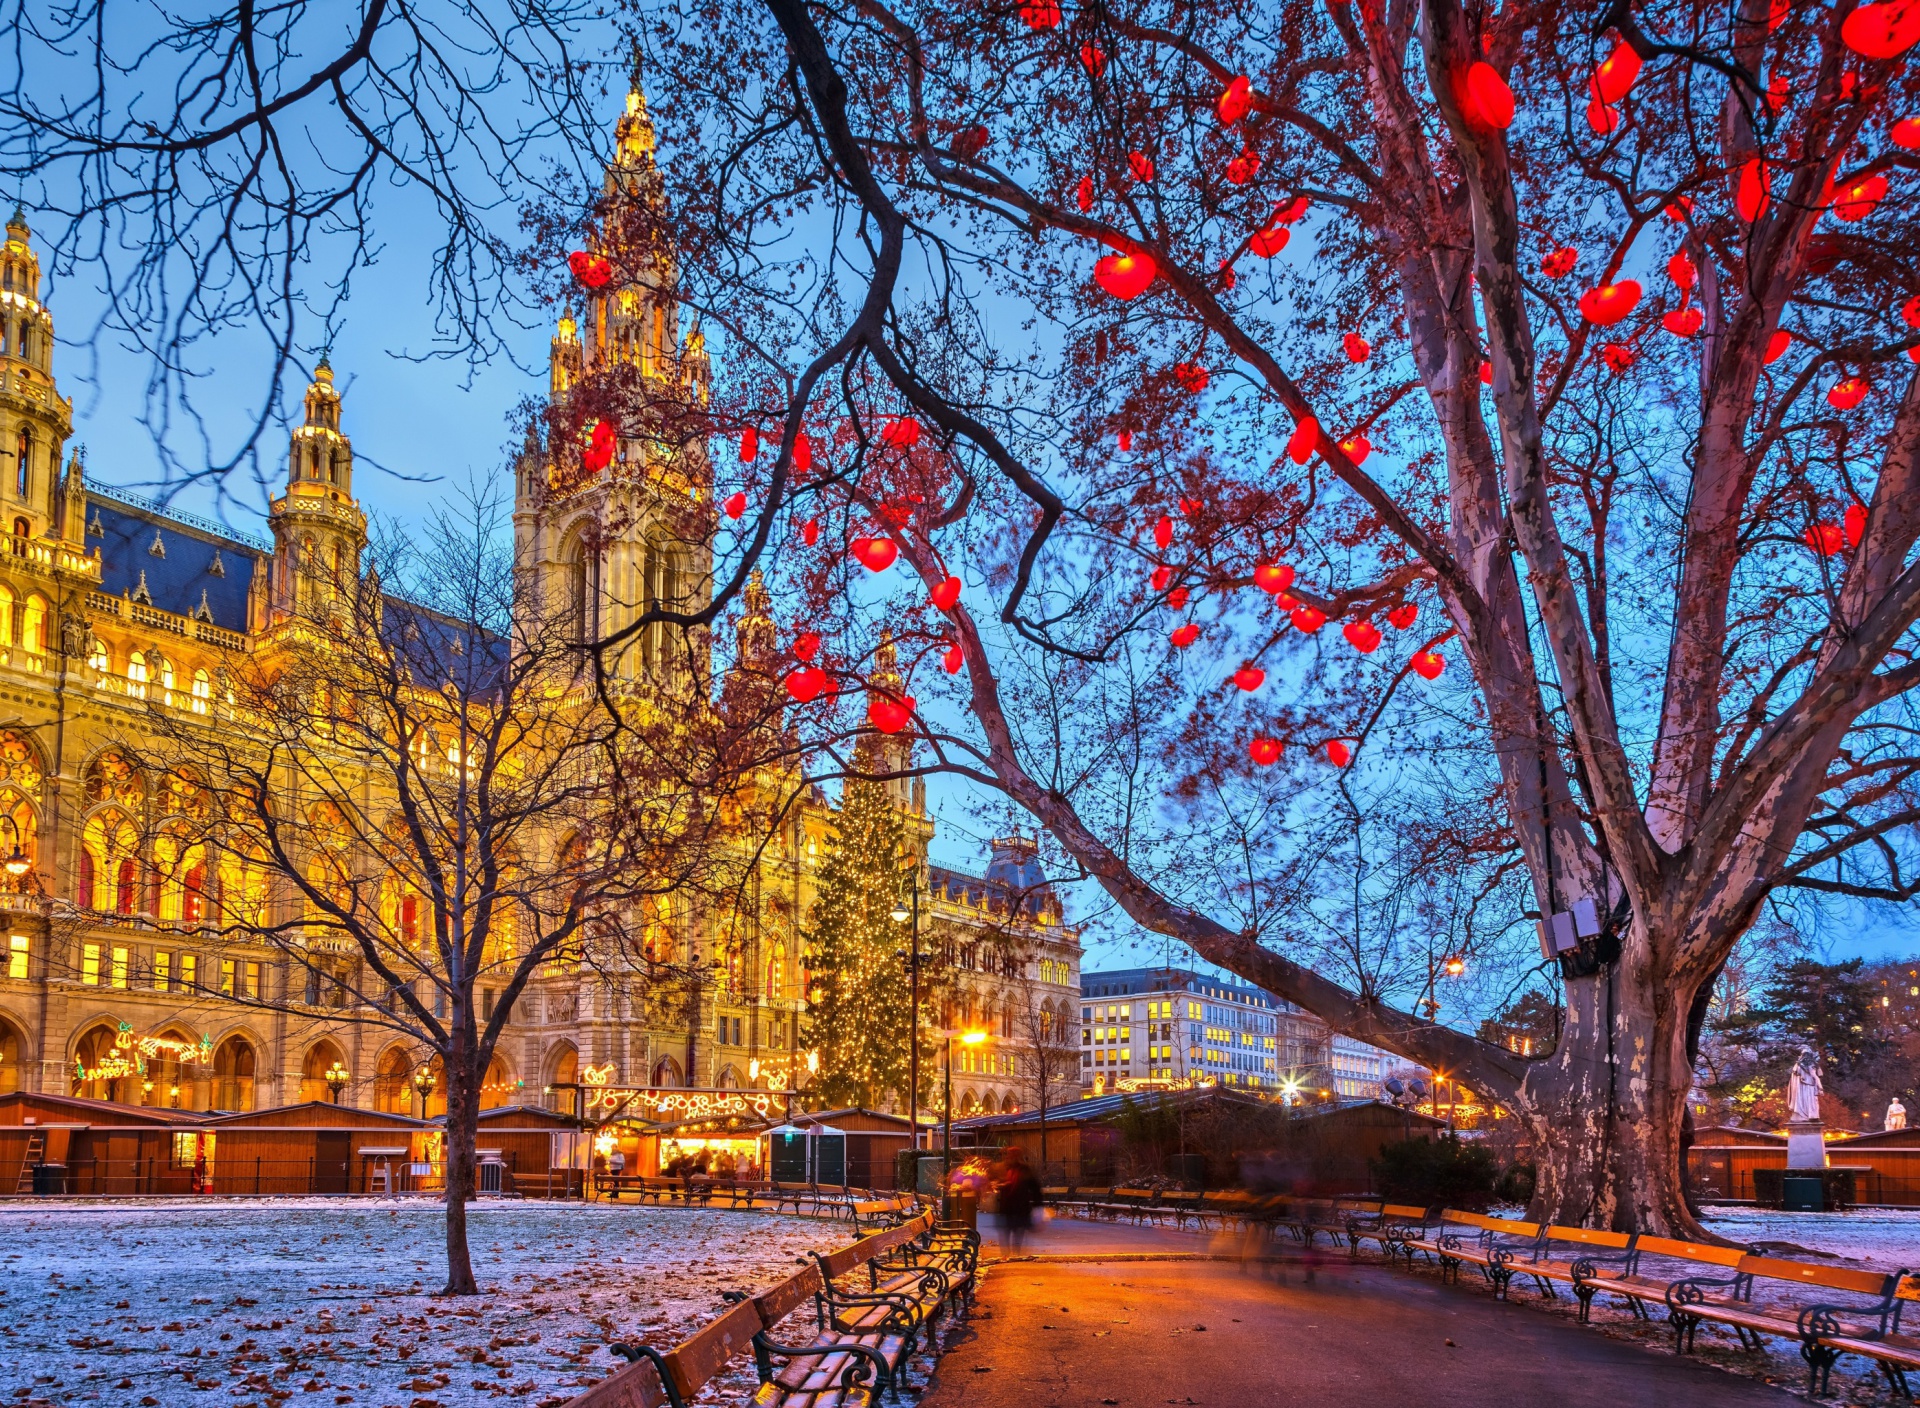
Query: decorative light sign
{"x":671,"y":1105}
{"x":131,"y":1053}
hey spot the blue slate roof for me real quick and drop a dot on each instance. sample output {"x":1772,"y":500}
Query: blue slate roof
{"x":190,"y":565}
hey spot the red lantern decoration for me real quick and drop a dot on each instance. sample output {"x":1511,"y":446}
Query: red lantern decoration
{"x":1609,"y":303}
{"x":970,"y":143}
{"x":749,"y":445}
{"x":600,"y":446}
{"x":1680,"y":210}
{"x":1264,"y":751}
{"x":1248,"y":678}
{"x":810,"y":532}
{"x":1355,"y":346}
{"x":1357,"y":449}
{"x":1191,"y":376}
{"x":876,"y":554}
{"x":1184,"y":636}
{"x":1486,"y":373}
{"x":1910,"y":312}
{"x":735,"y":505}
{"x":1858,"y":199}
{"x":1604,"y":121}
{"x":1683,"y":322}
{"x":590,"y":269}
{"x":1177,"y":598}
{"x":1777,"y":346}
{"x":1125,"y":276}
{"x":1848,"y":393}
{"x":1363,"y":636}
{"x":1827,"y":539}
{"x":1906,"y":134}
{"x":802,"y":452}
{"x":1093,"y":59}
{"x":1617,"y":358}
{"x":1273,"y":577}
{"x":1755,"y":189}
{"x":1485,"y":99}
{"x":1882,"y":31}
{"x":946,"y":593}
{"x":1083,"y":194}
{"x":890,"y":715}
{"x":1308,"y":619}
{"x":1403,"y":616}
{"x":1856,"y":523}
{"x":1244,"y":167}
{"x":1680,"y":269}
{"x":1162,"y":575}
{"x":1614,"y":79}
{"x":1338,"y":753}
{"x":1235,"y":102}
{"x":806,"y":645}
{"x":1304,"y":440}
{"x":1041,"y":14}
{"x":953,"y":659}
{"x":1428,"y":664}
{"x":1163,"y":531}
{"x":805,"y":683}
{"x":1270,"y":241}
{"x":1125,"y":441}
{"x":1141,"y":165}
{"x":902,"y":432}
{"x":1559,"y":264}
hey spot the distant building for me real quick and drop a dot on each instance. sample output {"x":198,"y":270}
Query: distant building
{"x":1358,"y":1069}
{"x":1142,"y":1028}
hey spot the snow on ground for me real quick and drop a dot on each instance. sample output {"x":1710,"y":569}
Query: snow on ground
{"x":255,"y":1304}
{"x":1885,"y":1239}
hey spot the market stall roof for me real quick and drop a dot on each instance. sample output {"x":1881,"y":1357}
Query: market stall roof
{"x":19,"y":1107}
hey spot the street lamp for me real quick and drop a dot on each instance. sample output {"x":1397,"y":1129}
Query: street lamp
{"x":16,"y":863}
{"x":337,"y":1077}
{"x":972,"y":1038}
{"x":902,"y":914}
{"x":424,"y":1082}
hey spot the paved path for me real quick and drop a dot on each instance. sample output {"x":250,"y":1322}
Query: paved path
{"x":1077,"y":1330}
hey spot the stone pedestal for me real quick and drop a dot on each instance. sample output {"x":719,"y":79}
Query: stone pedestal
{"x":1806,"y":1145}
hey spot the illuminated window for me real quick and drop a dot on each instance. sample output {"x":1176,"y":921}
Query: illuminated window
{"x":17,"y":957}
{"x":90,"y":964}
{"x":202,"y":691}
{"x":164,"y":667}
{"x":99,"y":662}
{"x":226,"y":976}
{"x":118,"y":977}
{"x":189,"y":970}
{"x":162,"y":971}
{"x":137,"y":675}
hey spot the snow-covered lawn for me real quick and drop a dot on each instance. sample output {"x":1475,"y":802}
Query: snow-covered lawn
{"x":329,"y":1301}
{"x":1886,"y":1239}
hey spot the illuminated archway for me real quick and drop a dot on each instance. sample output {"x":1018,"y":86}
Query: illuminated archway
{"x":12,"y":1046}
{"x":101,"y":1068}
{"x":320,"y":1059}
{"x":392,"y":1082}
{"x":233,"y":1074}
{"x":499,"y":1087}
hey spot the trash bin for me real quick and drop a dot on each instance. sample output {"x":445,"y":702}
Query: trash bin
{"x":964,"y":1209}
{"x":1802,"y":1194}
{"x":49,"y":1179}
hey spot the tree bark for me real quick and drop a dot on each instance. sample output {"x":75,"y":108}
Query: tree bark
{"x":463,"y":1134}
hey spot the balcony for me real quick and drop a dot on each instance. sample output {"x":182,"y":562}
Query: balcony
{"x":44,"y":558}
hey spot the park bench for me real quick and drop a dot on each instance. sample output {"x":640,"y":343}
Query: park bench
{"x":1493,"y":1244}
{"x":837,"y":1367}
{"x":1640,"y":1283}
{"x":1308,"y":1219}
{"x":1895,"y":1353}
{"x":1810,"y":1313}
{"x":1225,"y":1206}
{"x":1576,"y":1256}
{"x":1393,"y":1227}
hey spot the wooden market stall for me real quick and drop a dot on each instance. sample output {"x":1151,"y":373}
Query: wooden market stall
{"x":317,"y":1147}
{"x":1723,"y":1160}
{"x":541,"y":1153}
{"x":873,"y":1139}
{"x":94,"y":1146}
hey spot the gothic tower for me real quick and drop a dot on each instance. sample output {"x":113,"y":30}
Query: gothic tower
{"x":594,"y":534}
{"x":319,"y":530}
{"x":34,"y":419}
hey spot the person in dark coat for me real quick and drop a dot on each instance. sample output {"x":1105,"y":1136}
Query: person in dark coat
{"x":1019,"y":1192}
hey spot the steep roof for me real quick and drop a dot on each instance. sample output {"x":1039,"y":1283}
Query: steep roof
{"x":180,"y":564}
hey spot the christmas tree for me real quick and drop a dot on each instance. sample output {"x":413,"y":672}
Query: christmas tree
{"x":860,"y":1017}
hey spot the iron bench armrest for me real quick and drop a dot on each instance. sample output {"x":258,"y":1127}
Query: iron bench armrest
{"x":1692,"y":1290}
{"x":856,"y":1374}
{"x":634,"y":1353}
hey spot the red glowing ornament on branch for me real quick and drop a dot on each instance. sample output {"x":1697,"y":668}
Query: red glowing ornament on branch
{"x":1125,"y":276}
{"x":1192,"y":376}
{"x":600,"y":445}
{"x":1428,"y":665}
{"x":946,"y":594}
{"x":1273,"y":577}
{"x":802,"y":452}
{"x":1235,"y":101}
{"x":1856,"y":523}
{"x":1559,"y":264}
{"x":1848,"y":394}
{"x":1615,"y":78}
{"x":1162,"y":575}
{"x":805,"y":683}
{"x":1882,"y":31}
{"x":1357,"y":449}
{"x":1485,"y":99}
{"x":1857,"y":200}
{"x":1141,"y":165}
{"x":1604,"y":121}
{"x":806,"y":645}
{"x":1827,"y":539}
{"x":1184,"y":636}
{"x":1083,"y":194}
{"x":1270,"y":241}
{"x":1356,"y":347}
{"x":1093,"y":59}
{"x":1338,"y":753}
{"x":890,"y":715}
{"x":1041,"y":14}
{"x":953,"y":659}
{"x":1304,"y":440}
{"x":590,"y":269}
{"x":875,"y":554}
{"x":1163,"y":531}
{"x":1363,"y":636}
{"x":749,"y":445}
{"x":1244,"y":167}
{"x":1264,"y":751}
{"x":1906,"y":134}
{"x":1248,"y":678}
{"x":1617,"y":358}
{"x":735,"y":505}
{"x":1683,"y":322}
{"x":1754,"y":190}
{"x":1609,"y":303}
{"x":1403,"y":616}
{"x":902,"y":432}
{"x":1308,"y":619}
{"x":1486,"y":373}
{"x":1682,"y":271}
{"x":1177,"y":598}
{"x":1777,"y":346}
{"x":810,"y":532}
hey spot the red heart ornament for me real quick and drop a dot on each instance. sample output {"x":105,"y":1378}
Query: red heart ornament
{"x":1125,"y":276}
{"x":947,"y":593}
{"x":890,"y":715}
{"x":1403,"y":616}
{"x":1428,"y":665}
{"x":1609,"y":303}
{"x":806,"y":645}
{"x":1184,"y":636}
{"x":875,"y":554}
{"x":1264,"y":751}
{"x":1308,"y":619}
{"x":805,"y":683}
{"x":1273,"y":577}
{"x":1249,"y":678}
{"x":1363,"y":636}
{"x":735,"y":505}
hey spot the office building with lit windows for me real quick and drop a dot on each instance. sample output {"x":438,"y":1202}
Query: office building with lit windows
{"x":1143,"y":1028}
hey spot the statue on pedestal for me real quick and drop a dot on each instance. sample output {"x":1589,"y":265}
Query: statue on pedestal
{"x":1803,"y":1089}
{"x":1896,"y":1115}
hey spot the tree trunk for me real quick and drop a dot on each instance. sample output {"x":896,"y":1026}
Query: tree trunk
{"x":1606,"y":1110}
{"x":463,"y":1134}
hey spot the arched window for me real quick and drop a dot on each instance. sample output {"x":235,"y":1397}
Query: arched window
{"x":99,"y":662}
{"x":9,"y":1059}
{"x":666,"y":1072}
{"x":313,"y":1072}
{"x":33,"y":630}
{"x":102,"y":1068}
{"x":202,"y":691}
{"x":22,"y":530}
{"x":499,"y":1087}
{"x":392,"y":1083}
{"x":109,"y":867}
{"x":23,"y":446}
{"x":777,"y":971}
{"x":233,"y":1074}
{"x":137,"y":675}
{"x":163,"y":671}
{"x":6,"y":615}
{"x":243,"y":890}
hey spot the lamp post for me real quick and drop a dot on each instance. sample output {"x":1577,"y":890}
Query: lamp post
{"x":972,"y":1038}
{"x":16,"y":864}
{"x":424,"y":1082}
{"x":337,"y":1077}
{"x":902,"y":914}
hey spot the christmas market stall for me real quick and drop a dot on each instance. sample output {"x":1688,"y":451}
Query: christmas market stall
{"x":52,"y":1144}
{"x":530,"y":1152}
{"x":872,"y":1142}
{"x":318,"y":1147}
